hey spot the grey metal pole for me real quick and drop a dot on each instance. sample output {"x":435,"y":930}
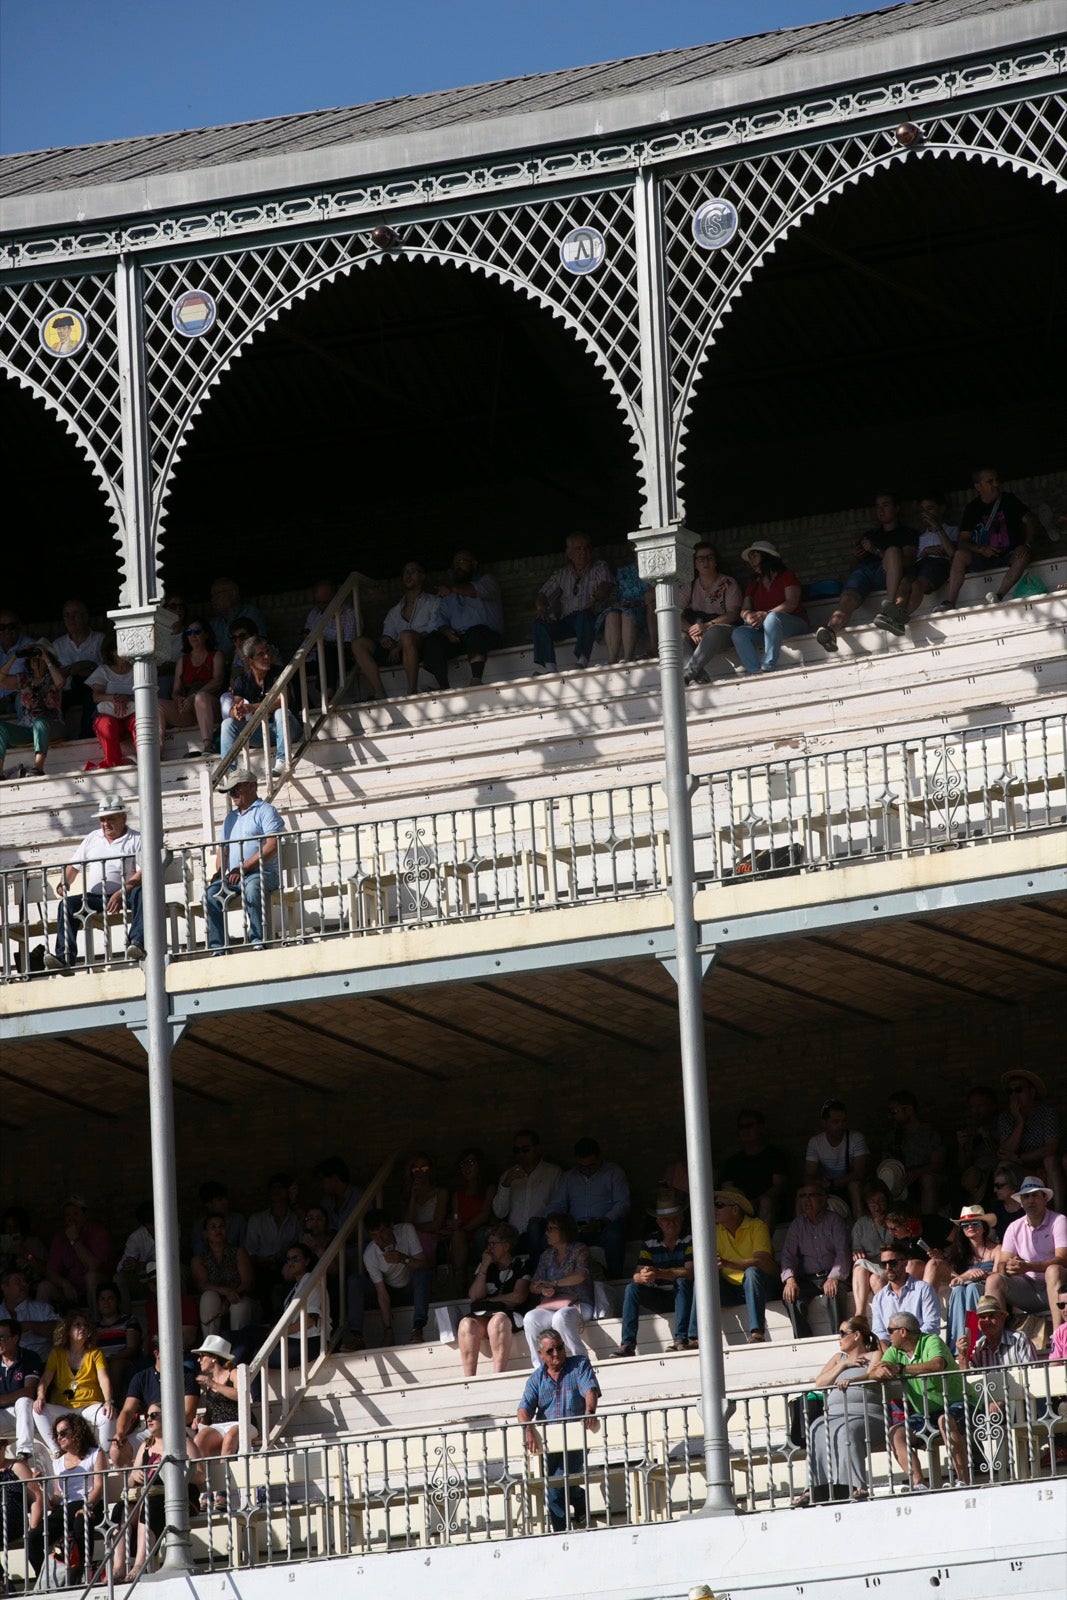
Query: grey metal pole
{"x":661,"y":553}
{"x":158,"y":1042}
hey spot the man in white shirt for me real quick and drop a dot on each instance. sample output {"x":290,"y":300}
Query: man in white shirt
{"x":525,"y":1191}
{"x":399,"y":1273}
{"x":838,"y":1157}
{"x":78,"y":652}
{"x":270,"y":1232}
{"x":110,"y":860}
{"x":404,"y":633}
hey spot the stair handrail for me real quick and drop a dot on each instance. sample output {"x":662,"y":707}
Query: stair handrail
{"x":278,"y":1338}
{"x":295,"y":671}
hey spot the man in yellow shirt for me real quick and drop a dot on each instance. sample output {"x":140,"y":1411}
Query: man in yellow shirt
{"x":746,"y":1259}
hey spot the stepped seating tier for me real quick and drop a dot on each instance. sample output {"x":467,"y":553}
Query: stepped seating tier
{"x":531,"y":734}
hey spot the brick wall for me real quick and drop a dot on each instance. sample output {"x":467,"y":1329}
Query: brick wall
{"x":631,"y":1102}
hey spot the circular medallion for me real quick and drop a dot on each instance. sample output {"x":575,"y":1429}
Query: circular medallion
{"x":714,"y":224}
{"x":583,"y":250}
{"x":193,"y":312}
{"x":63,"y":332}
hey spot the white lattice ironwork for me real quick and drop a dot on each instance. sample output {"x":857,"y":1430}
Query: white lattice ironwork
{"x":518,"y":245}
{"x":82,"y":389}
{"x":774,"y":192}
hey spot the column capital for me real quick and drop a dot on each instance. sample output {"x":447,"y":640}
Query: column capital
{"x":144,"y":633}
{"x":664,"y":554}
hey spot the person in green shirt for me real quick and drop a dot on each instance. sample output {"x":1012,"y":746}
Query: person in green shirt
{"x":918,"y":1359}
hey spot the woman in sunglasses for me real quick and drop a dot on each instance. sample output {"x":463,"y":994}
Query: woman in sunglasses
{"x":851,"y":1427}
{"x":75,"y":1500}
{"x":425,"y":1204}
{"x":198,"y":683}
{"x":152,"y":1517}
{"x":970,"y":1259}
{"x":75,"y":1378}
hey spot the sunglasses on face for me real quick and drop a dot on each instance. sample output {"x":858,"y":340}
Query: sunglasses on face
{"x":152,"y":1416}
{"x":294,"y":1261}
{"x":970,"y":1224}
{"x":191,"y":631}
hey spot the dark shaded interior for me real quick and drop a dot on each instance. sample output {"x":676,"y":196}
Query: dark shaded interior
{"x":914,"y":327}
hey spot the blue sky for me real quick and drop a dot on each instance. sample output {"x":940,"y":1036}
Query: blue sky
{"x":78,"y":71}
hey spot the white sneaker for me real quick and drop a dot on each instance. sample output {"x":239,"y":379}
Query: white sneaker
{"x":992,"y":599}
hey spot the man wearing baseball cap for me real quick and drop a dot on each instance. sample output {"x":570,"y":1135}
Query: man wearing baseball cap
{"x":1030,"y":1268}
{"x":110,"y":860}
{"x":247,"y":864}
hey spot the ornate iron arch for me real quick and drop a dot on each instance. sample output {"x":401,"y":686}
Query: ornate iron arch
{"x":777,"y":192}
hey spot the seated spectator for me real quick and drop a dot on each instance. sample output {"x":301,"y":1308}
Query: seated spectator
{"x":758,"y":1169}
{"x":971,"y":1255}
{"x":425,"y":1205}
{"x":884,"y":557}
{"x":75,"y":1378}
{"x":1058,"y":1351}
{"x":923,"y":1238}
{"x":564,"y":1283}
{"x":404,"y":633}
{"x":251,"y":687}
{"x":268,"y":1236}
{"x":870,"y":1235}
{"x":247,"y":863}
{"x":937,"y":547}
{"x":996,"y":530}
{"x":217,"y":1433}
{"x":145,"y":1390}
{"x":136,"y":1271}
{"x":470,"y":620}
{"x":977,"y":1144}
{"x":80,"y":1255}
{"x":215,"y":1198}
{"x":36,"y":1318}
{"x":223,"y":1278}
{"x":596,"y":1194}
{"x":399,"y":1273}
{"x":997,"y":1345}
{"x":902,"y":1292}
{"x":1029,"y":1131}
{"x":13,"y":640}
{"x":568,"y":602}
{"x":317,"y":1232}
{"x":710,"y":607}
{"x":227,"y":606}
{"x":1030,"y":1267}
{"x":815,"y":1256}
{"x":241,"y":630}
{"x":20,"y":1372}
{"x":20,"y":1247}
{"x":35,"y":691}
{"x":627,"y":620}
{"x":918,"y":1147}
{"x":931,"y":1402}
{"x":79,"y":652}
{"x":469,"y":1211}
{"x":77,"y":1505}
{"x":109,"y":860}
{"x":118,"y":1335}
{"x":499,"y":1295}
{"x":339,"y":1193}
{"x":1007,"y":1180}
{"x":297,"y":1265}
{"x":115,"y":719}
{"x":746,"y":1260}
{"x":151,"y":1518}
{"x":851,"y":1426}
{"x":525,"y":1191}
{"x":176,"y":605}
{"x":321,"y":595}
{"x":198,"y":682}
{"x":21,"y":1506}
{"x":838,"y":1156}
{"x":770,"y":609}
{"x":663,"y":1278}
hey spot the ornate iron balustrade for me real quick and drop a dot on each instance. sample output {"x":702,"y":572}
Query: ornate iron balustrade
{"x":802,"y":814}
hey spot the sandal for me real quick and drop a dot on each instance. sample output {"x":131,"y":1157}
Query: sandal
{"x":802,"y":1501}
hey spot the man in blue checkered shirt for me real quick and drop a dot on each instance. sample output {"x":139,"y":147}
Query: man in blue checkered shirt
{"x":562,"y":1386}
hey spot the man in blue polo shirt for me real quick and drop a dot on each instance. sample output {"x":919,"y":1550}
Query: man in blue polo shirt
{"x":247,"y":860}
{"x":19,"y":1373}
{"x":562,"y":1386}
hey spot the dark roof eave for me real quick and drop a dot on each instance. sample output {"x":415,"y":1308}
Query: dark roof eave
{"x":499,"y":137}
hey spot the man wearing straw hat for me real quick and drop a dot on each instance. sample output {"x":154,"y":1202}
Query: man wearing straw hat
{"x":110,"y":859}
{"x":663,"y":1279}
{"x":746,"y":1259}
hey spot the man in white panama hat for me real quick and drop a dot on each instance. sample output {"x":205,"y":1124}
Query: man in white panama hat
{"x":110,"y":859}
{"x":1030,"y":1268}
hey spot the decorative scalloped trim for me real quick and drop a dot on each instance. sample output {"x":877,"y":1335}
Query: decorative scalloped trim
{"x":631,"y":414}
{"x":114,"y":497}
{"x":876,"y":163}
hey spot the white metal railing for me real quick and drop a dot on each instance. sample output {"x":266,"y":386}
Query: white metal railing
{"x":270,"y":1387}
{"x":308,"y":706}
{"x":797,"y":815}
{"x":477,"y":1480}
